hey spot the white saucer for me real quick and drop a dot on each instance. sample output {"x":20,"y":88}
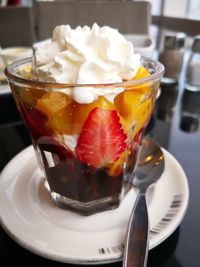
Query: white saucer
{"x":31,"y":219}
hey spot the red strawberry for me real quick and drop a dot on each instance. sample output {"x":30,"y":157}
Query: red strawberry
{"x":102,"y":139}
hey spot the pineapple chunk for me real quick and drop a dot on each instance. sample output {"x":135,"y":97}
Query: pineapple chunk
{"x":52,"y":103}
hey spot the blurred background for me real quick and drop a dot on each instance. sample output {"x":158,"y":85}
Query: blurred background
{"x":23,"y":22}
{"x":168,"y":30}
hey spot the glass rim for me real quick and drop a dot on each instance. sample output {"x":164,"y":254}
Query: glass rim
{"x":159,"y":71}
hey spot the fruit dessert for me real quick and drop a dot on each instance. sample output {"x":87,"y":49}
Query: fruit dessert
{"x":85,"y":113}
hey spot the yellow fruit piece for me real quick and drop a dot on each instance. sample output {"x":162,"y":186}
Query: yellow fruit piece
{"x":30,"y":95}
{"x":134,"y":109}
{"x":56,"y":106}
{"x":62,"y":122}
{"x":142,"y":116}
{"x":126,"y":104}
{"x":116,"y":168}
{"x":141,"y":73}
{"x":52,"y":103}
{"x":81,"y":111}
{"x":144,"y":88}
{"x":127,"y":101}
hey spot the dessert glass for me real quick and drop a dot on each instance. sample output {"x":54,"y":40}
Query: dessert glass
{"x":86,"y":152}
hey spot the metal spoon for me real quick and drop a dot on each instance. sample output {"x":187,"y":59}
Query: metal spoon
{"x":149,"y":168}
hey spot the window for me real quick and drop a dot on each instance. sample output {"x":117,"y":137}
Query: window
{"x":194,"y":9}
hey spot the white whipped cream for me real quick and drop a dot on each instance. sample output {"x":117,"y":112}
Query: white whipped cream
{"x":86,"y":56}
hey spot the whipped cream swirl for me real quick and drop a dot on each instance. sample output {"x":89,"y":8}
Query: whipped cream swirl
{"x":86,"y":56}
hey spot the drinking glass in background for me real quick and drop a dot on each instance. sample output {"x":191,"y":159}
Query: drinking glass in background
{"x":87,"y":152}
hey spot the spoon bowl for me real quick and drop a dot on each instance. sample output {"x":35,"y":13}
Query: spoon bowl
{"x":150,"y":166}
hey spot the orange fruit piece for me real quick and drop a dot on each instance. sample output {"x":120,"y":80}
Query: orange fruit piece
{"x":144,"y":110}
{"x":134,"y":109}
{"x":141,"y":73}
{"x":142,"y":116}
{"x":116,"y":168}
{"x":126,"y":104}
{"x":52,"y":102}
{"x":81,"y":111}
{"x":145,"y":88}
{"x":30,"y":95}
{"x":56,"y":106}
{"x":62,"y":122}
{"x":130,"y":104}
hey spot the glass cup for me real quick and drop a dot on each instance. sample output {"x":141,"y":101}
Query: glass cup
{"x":86,"y":152}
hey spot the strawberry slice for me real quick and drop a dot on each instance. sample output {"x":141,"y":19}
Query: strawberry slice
{"x":102,"y":139}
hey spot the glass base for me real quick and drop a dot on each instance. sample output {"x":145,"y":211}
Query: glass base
{"x":89,"y":208}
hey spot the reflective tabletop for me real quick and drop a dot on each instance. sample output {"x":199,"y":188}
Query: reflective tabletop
{"x":175,"y":126}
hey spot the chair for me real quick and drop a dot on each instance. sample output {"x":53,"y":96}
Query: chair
{"x":17,"y":26}
{"x":127,"y":16}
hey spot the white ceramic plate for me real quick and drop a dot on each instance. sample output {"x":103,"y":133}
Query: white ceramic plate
{"x":31,"y":219}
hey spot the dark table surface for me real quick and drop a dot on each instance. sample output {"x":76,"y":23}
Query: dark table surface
{"x":175,"y":125}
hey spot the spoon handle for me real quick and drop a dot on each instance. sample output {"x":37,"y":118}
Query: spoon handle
{"x":136,"y":246}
